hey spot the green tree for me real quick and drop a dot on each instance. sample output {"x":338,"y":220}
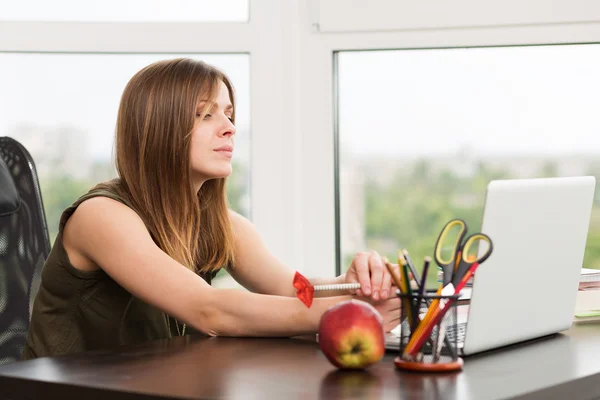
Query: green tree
{"x":412,"y":209}
{"x":594,"y":171}
{"x":58,"y":193}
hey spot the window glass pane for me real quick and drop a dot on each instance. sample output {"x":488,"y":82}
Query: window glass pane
{"x":125,"y":10}
{"x":422,"y":132}
{"x":63,"y":109}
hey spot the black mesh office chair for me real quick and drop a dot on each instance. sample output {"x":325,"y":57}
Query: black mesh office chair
{"x":24,"y":245}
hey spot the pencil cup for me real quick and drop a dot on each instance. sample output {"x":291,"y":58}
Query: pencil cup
{"x":429,"y":333}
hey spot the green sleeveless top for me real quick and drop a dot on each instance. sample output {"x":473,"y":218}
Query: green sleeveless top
{"x":77,"y":311}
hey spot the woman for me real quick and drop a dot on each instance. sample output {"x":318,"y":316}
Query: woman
{"x":134,"y":257}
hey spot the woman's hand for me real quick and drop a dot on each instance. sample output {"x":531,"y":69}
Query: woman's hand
{"x":368,"y":269}
{"x":389,"y":310}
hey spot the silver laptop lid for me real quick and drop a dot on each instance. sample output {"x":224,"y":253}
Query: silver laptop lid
{"x":528,"y":287}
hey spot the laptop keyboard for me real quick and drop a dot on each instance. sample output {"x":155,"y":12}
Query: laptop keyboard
{"x":457,"y":331}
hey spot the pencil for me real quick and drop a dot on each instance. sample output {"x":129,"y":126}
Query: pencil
{"x":396,"y":280}
{"x":413,"y":270}
{"x":399,"y":282}
{"x":433,"y":304}
{"x":390,"y":269}
{"x":411,"y":312}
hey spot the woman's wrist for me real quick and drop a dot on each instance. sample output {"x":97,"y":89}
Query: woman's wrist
{"x":323,"y":304}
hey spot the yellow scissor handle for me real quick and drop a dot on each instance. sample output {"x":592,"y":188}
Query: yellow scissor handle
{"x":471,"y":241}
{"x":442,"y":239}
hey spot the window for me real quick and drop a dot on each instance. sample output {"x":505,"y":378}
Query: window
{"x":125,"y":10}
{"x":63,"y":109}
{"x":422,"y":132}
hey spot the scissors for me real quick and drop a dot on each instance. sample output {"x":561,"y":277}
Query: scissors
{"x":458,"y":267}
{"x":460,"y":259}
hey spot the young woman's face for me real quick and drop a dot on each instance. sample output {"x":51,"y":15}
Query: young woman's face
{"x":213,"y":140}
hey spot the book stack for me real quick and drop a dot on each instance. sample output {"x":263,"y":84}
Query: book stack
{"x":587,"y":306}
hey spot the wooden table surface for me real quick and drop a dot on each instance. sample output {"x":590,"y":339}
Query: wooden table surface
{"x":566,"y":365}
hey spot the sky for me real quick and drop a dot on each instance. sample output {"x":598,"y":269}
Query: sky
{"x":539,"y":100}
{"x":503,"y":100}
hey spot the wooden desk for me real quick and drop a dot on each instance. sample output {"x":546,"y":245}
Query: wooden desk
{"x":562,"y":366}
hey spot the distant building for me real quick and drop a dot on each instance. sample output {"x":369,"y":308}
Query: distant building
{"x":383,"y":169}
{"x":101,"y":171}
{"x":352,"y":210}
{"x":57,"y":149}
{"x":355,"y":171}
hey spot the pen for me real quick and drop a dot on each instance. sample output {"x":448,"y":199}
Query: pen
{"x":431,"y":319}
{"x":413,"y":270}
{"x":442,"y":327}
{"x":426,"y":263}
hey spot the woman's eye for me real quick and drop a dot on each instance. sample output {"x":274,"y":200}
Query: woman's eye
{"x":207,"y":116}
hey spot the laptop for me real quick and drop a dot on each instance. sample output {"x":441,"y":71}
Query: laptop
{"x":528,"y":287}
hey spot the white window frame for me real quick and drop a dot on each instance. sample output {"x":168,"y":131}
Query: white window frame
{"x":262,"y":37}
{"x":292,"y":94}
{"x":317,"y":103}
{"x":396,"y":15}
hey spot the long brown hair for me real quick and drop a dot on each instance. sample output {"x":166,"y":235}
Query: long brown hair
{"x":155,"y":120}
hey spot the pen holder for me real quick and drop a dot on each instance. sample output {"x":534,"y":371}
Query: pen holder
{"x":429,"y":342}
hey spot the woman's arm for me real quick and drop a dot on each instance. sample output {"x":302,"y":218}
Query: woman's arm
{"x":259,"y":271}
{"x":255,"y":267}
{"x":113,"y":237}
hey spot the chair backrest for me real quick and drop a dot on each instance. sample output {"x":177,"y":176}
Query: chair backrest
{"x":24,"y":245}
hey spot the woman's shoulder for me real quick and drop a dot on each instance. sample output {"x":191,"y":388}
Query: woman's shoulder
{"x":111,"y":189}
{"x":93,"y":214}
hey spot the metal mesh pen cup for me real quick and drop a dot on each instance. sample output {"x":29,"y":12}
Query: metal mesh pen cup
{"x":429,"y":332}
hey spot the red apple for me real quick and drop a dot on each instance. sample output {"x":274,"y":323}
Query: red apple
{"x":351,"y":334}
